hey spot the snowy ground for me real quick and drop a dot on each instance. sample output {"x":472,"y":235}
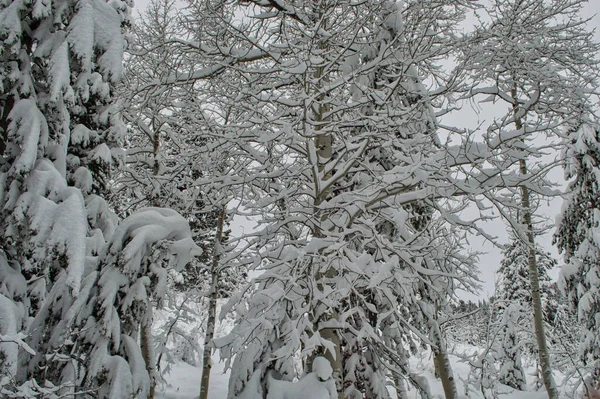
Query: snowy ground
{"x":183,"y":382}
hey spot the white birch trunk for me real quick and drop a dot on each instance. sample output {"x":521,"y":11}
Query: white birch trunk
{"x":212,"y":308}
{"x":538,"y":317}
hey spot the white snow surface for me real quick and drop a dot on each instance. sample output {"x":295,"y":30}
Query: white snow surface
{"x":183,"y":381}
{"x":310,"y":386}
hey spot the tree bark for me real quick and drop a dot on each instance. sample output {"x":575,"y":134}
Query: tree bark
{"x":335,"y":359}
{"x":442,"y":362}
{"x":148,"y":350}
{"x":212,"y":308}
{"x":538,"y":317}
{"x":324,"y":148}
{"x":446,"y":375}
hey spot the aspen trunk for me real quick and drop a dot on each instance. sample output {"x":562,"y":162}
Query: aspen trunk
{"x":538,"y":319}
{"x":212,"y":308}
{"x":335,"y":359}
{"x":148,"y":350}
{"x":324,"y":146}
{"x":442,"y":362}
{"x":446,"y":376}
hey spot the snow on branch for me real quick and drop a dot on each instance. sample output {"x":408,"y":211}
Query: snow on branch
{"x":134,"y":237}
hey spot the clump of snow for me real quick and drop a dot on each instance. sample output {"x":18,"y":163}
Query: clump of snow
{"x":322,"y":368}
{"x":28,"y":129}
{"x":83,"y":180}
{"x":109,"y":38}
{"x":9,"y":338}
{"x":81,"y":135}
{"x":102,"y":153}
{"x":253,"y":389}
{"x":310,"y":386}
{"x":60,"y":71}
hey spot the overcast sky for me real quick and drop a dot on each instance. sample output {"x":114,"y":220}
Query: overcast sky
{"x":490,"y":261}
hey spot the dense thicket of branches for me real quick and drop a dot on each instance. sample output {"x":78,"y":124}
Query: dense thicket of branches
{"x":321,"y":123}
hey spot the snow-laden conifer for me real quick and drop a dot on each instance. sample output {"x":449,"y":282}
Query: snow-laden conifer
{"x":577,"y":233}
{"x":60,"y":134}
{"x":508,"y":348}
{"x":515,"y":306}
{"x":59,"y":130}
{"x":513,"y":283}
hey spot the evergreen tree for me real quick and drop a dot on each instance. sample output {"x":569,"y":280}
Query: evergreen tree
{"x":59,"y":135}
{"x":577,"y":236}
{"x":564,"y":330}
{"x":509,"y":348}
{"x":513,"y":282}
{"x":68,"y":267}
{"x":515,"y":305}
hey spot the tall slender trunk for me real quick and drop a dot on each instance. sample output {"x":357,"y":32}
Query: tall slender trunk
{"x":324,"y":146}
{"x":538,"y":317}
{"x":212,"y":307}
{"x":146,"y":323}
{"x":441,"y":360}
{"x":148,"y":350}
{"x":534,"y":281}
{"x":324,"y":152}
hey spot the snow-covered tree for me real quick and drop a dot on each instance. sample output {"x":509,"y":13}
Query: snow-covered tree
{"x":341,"y":142}
{"x":508,"y":348}
{"x":530,"y":55}
{"x":513,"y":282}
{"x":59,"y":131}
{"x":175,"y":150}
{"x":61,"y":245}
{"x":577,"y":234}
{"x":564,"y":331}
{"x":515,"y":306}
{"x":133,"y":272}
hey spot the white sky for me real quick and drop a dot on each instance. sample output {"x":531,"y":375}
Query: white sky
{"x":490,"y":261}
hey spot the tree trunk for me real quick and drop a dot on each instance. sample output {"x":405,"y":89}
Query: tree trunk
{"x":442,"y":362}
{"x":335,"y":359}
{"x":445,"y":371}
{"x":324,"y":148}
{"x":400,"y":385}
{"x":148,"y":350}
{"x":212,"y":308}
{"x":146,"y":324}
{"x":538,"y":318}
